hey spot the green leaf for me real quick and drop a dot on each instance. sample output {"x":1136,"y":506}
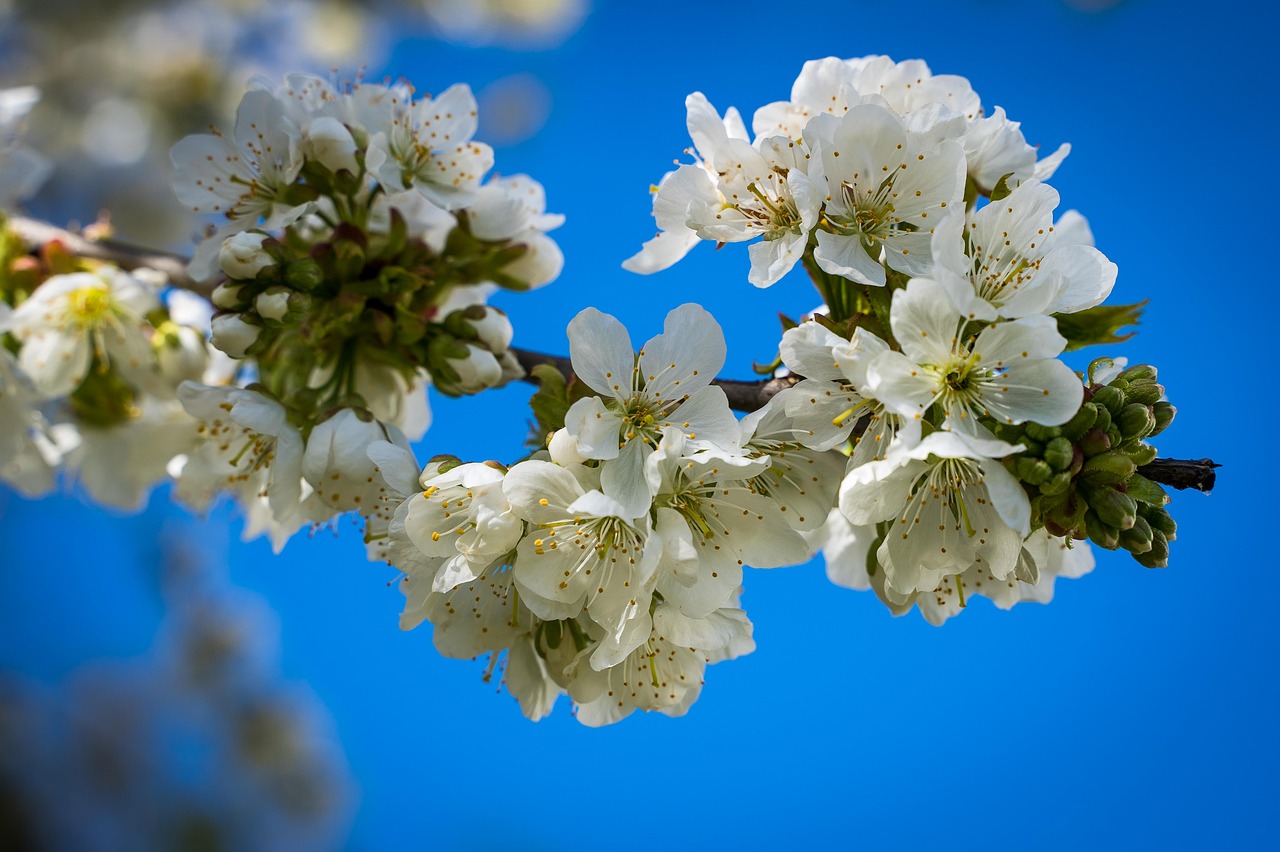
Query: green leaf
{"x":551,"y":402}
{"x":1002,"y":188}
{"x":1099,"y":325}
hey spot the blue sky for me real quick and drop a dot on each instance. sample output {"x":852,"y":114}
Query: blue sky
{"x":1137,"y":710}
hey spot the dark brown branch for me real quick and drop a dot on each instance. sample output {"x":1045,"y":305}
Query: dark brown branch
{"x":1181,"y":474}
{"x":743,"y":395}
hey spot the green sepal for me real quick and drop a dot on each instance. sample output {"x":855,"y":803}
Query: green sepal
{"x":1002,"y":189}
{"x":550,"y":403}
{"x":1102,"y":324}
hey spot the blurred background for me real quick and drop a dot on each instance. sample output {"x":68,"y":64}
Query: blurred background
{"x":165,"y":686}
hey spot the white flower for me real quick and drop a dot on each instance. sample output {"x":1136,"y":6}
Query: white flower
{"x":668,"y":384}
{"x":737,"y":193}
{"x":462,"y":523}
{"x":1008,"y":371}
{"x":487,"y":615}
{"x":72,"y":319}
{"x":337,"y":464}
{"x":883,"y":183}
{"x":118,"y":465}
{"x":833,"y":86}
{"x":946,"y":504}
{"x":665,"y":672}
{"x":995,"y":147}
{"x":803,"y":482}
{"x":1008,"y":262}
{"x":713,"y":519}
{"x":583,"y":553}
{"x":427,"y":146}
{"x":250,"y":450}
{"x":244,"y":178}
{"x":688,"y":187}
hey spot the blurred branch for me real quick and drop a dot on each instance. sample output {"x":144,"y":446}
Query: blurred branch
{"x":743,"y":395}
{"x":36,"y":234}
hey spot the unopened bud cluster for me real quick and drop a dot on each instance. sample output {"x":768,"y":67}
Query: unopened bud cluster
{"x":1083,"y":476}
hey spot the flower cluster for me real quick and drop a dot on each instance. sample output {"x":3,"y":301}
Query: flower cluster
{"x":610,"y":566}
{"x":359,"y":245}
{"x":951,"y":291}
{"x":920,"y":428}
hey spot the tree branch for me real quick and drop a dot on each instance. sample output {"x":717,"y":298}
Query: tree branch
{"x":36,"y":234}
{"x":743,"y":395}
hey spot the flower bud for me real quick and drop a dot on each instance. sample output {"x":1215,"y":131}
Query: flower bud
{"x":233,"y":335}
{"x":1136,"y":420}
{"x":1037,"y":432}
{"x":1082,"y":422}
{"x":1114,"y":508}
{"x":1161,"y":520}
{"x":1110,"y":397}
{"x":1100,"y":532}
{"x":181,"y":353}
{"x":478,"y":371}
{"x":228,"y":296}
{"x":1146,"y":393}
{"x":304,"y":274}
{"x":1104,"y":418}
{"x":1056,"y":484}
{"x":1058,"y":453}
{"x":1145,"y":491}
{"x":1158,"y":555}
{"x":272,"y":304}
{"x":1164,"y":413}
{"x":242,"y":256}
{"x":1032,"y":470}
{"x":1137,"y":539}
{"x":1108,"y":468}
{"x":1138,"y":372}
{"x":1095,"y":441}
{"x":494,"y":330}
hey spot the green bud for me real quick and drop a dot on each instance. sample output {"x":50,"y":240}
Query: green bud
{"x":1136,"y":420}
{"x":1158,"y":555}
{"x":1137,"y":539}
{"x":1056,"y":484}
{"x":1040,"y":433}
{"x":1161,"y":520}
{"x":1032,"y":470}
{"x":1058,"y":453}
{"x":1147,"y":393}
{"x":1100,"y":532}
{"x":1095,"y":442}
{"x":1137,"y":373}
{"x":1032,"y":448}
{"x":1081,"y":423}
{"x":1108,"y":468}
{"x":304,"y":274}
{"x":1111,"y":397}
{"x":1145,"y":491}
{"x":1104,"y":418}
{"x":443,"y":463}
{"x":1114,"y":436}
{"x":1141,"y":452}
{"x":1114,"y":508}
{"x":1164,"y":413}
